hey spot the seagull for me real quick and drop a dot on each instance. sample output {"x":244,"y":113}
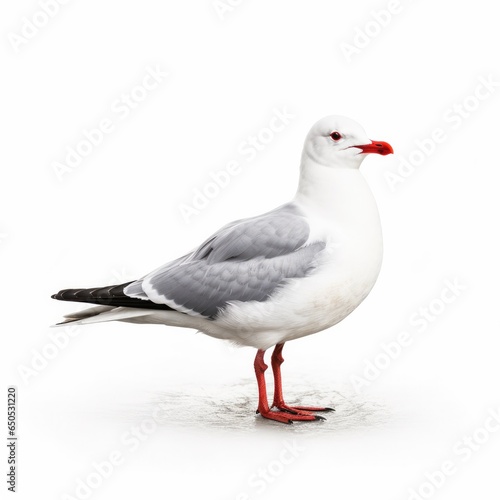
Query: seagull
{"x":276,"y":277}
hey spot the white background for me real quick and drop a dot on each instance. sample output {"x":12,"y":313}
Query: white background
{"x":116,"y":216}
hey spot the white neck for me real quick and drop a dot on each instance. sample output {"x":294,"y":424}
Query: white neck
{"x":323,"y":188}
{"x":339,"y":195}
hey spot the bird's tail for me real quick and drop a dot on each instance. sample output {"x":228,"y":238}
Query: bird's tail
{"x":100,"y":314}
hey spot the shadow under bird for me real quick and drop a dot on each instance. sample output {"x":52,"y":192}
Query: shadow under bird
{"x":276,"y":277}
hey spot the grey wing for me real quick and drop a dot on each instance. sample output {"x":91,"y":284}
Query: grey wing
{"x":244,"y":261}
{"x":275,"y":233}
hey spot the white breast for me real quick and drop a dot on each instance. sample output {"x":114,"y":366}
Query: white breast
{"x":344,"y":214}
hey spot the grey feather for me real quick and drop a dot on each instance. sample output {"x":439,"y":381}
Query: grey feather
{"x":276,"y":233}
{"x":244,"y":261}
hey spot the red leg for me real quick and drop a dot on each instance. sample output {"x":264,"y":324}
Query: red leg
{"x":279,"y":402}
{"x":263,"y":408}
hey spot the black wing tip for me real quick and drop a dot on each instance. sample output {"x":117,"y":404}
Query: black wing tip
{"x":63,"y":294}
{"x":58,"y":295}
{"x":108,"y":296}
{"x":70,"y":294}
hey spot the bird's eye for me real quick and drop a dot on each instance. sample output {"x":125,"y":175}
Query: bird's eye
{"x":336,"y":136}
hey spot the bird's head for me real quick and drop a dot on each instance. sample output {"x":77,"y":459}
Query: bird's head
{"x":337,"y":141}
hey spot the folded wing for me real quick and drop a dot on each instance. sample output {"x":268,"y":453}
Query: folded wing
{"x":244,"y":261}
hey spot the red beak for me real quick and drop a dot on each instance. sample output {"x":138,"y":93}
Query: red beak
{"x":379,"y":147}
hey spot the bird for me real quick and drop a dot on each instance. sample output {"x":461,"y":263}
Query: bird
{"x":273,"y":278}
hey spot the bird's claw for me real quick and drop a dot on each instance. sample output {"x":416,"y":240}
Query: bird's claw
{"x":301,"y":410}
{"x":288,"y":414}
{"x":287,"y":417}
